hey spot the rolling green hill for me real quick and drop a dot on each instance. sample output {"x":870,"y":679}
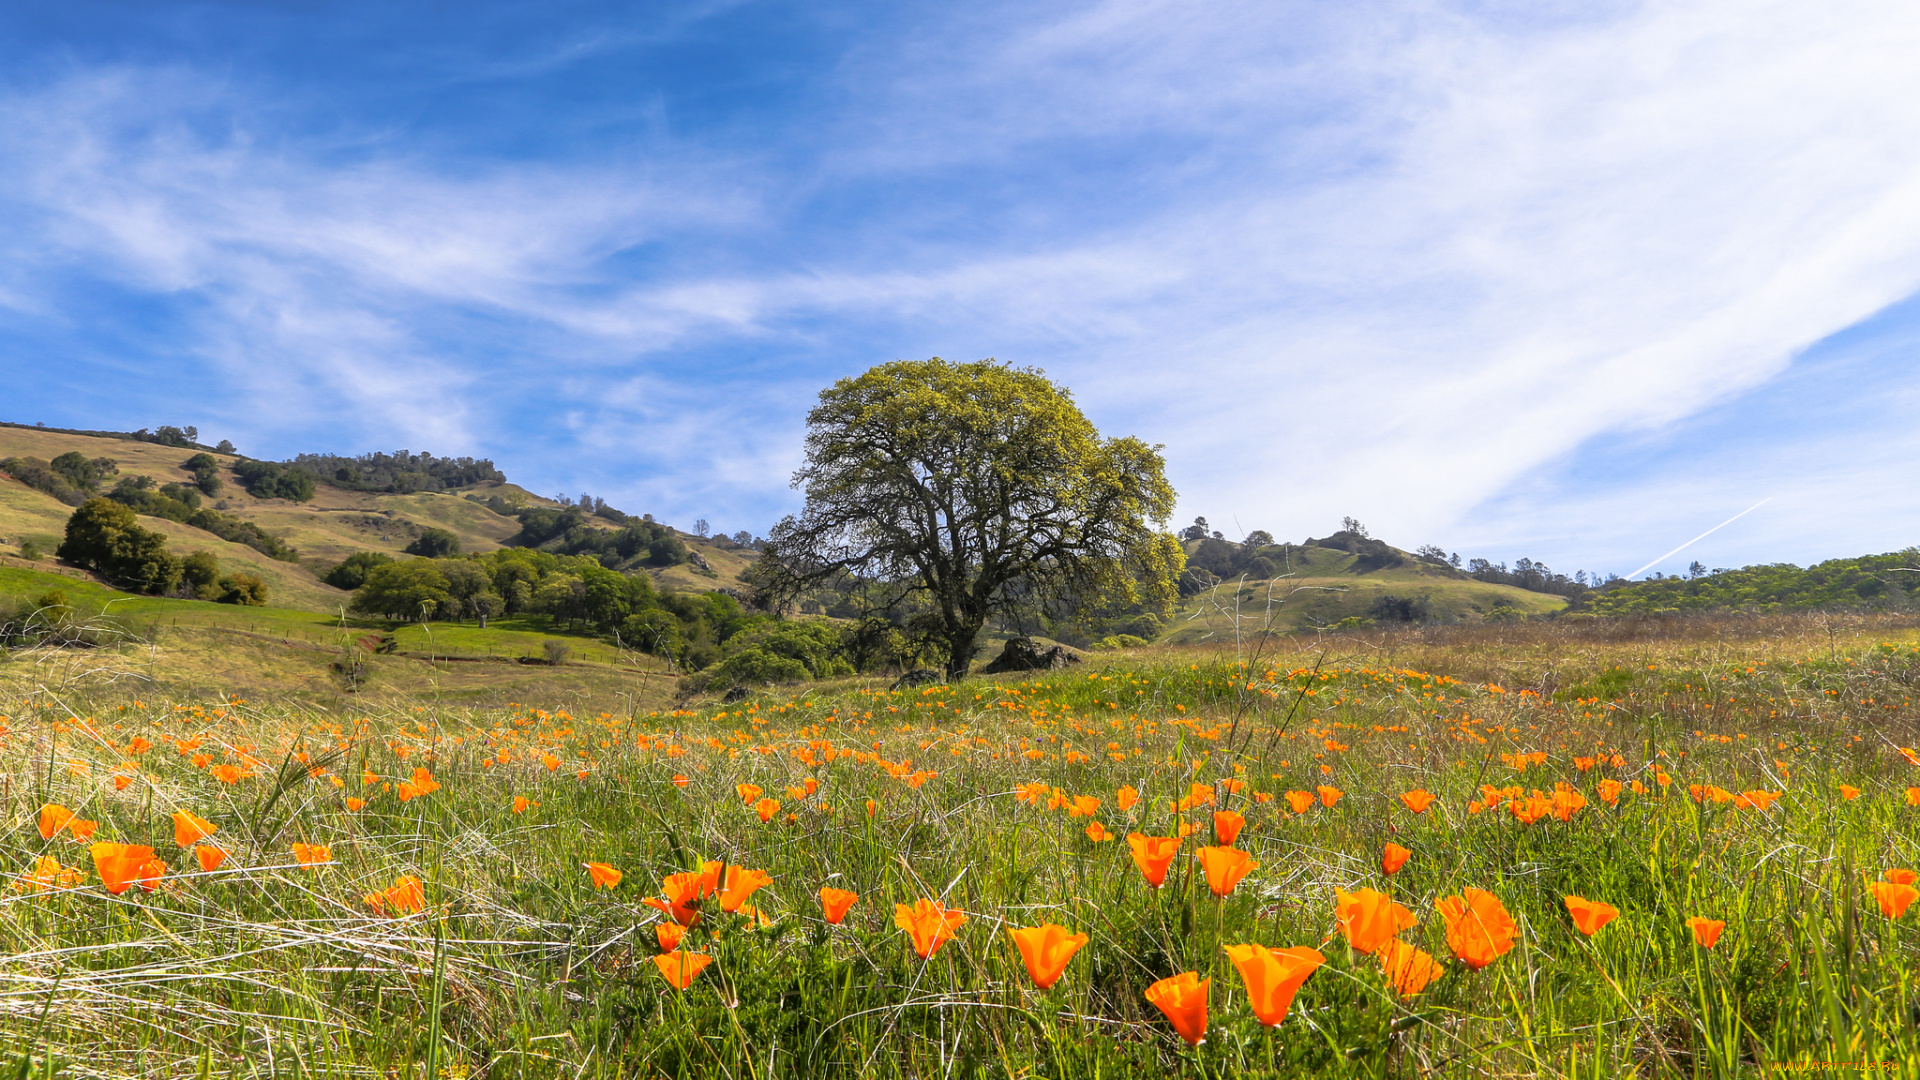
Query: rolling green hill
{"x":303,"y":643}
{"x":1318,"y":587}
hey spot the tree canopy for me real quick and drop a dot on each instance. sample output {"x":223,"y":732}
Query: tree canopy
{"x":980,"y":486}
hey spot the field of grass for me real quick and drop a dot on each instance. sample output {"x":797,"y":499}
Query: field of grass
{"x":510,"y":962}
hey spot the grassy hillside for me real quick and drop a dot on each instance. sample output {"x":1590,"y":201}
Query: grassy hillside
{"x":1319,"y":587}
{"x":334,"y":524}
{"x":188,"y":648}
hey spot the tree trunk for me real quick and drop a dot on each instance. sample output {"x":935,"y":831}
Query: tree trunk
{"x":960,"y":649}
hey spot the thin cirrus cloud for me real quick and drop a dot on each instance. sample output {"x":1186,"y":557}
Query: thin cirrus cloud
{"x":1480,"y":276}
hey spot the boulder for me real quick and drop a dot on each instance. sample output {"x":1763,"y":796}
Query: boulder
{"x":1026,"y":654}
{"x":920,"y":676}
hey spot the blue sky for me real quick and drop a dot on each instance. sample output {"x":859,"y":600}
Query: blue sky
{"x":1567,"y":281}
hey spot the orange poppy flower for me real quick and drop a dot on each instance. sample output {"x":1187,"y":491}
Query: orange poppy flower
{"x":871,"y":807}
{"x":680,"y":781}
{"x":1409,"y":969}
{"x":1370,"y":919}
{"x":1609,"y":791}
{"x":53,"y":818}
{"x":407,"y":894}
{"x":835,"y":903}
{"x":685,"y":890}
{"x":1032,"y":792}
{"x":1417,"y":800}
{"x":139,"y":745}
{"x":81,"y":828}
{"x":1329,"y":795}
{"x":201,"y":761}
{"x":930,"y":923}
{"x":1153,"y":854}
{"x":1225,"y":867}
{"x":1913,"y":796}
{"x":520,"y":804}
{"x":766,"y":808}
{"x":551,"y":762}
{"x":681,"y":968}
{"x":1706,"y":932}
{"x":122,"y":783}
{"x":1273,"y":976}
{"x":1098,"y":833}
{"x":119,"y":865}
{"x":227,"y":774}
{"x":742,"y":883}
{"x":668,"y":934}
{"x":1894,"y":897}
{"x":1300,"y":801}
{"x":1901,"y":877}
{"x":190,"y":828}
{"x":1392,"y":858}
{"x":1183,"y":1000}
{"x":1126,"y":797}
{"x":1479,"y":929}
{"x":149,"y":875}
{"x":747,"y":793}
{"x":603,"y":874}
{"x":1590,"y":915}
{"x":312,"y":854}
{"x":1848,"y":793}
{"x":1227,"y":825}
{"x":1046,"y":950}
{"x":47,"y":873}
{"x":210,"y":857}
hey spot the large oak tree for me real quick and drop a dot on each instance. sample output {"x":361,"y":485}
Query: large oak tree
{"x":979,"y":486}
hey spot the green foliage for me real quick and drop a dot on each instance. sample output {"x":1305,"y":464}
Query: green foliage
{"x":413,"y":589}
{"x":246,"y":590}
{"x":1868,"y":581}
{"x":435,"y":544}
{"x":83,"y":472}
{"x":981,"y":486}
{"x":350,"y":573}
{"x":105,"y":537}
{"x":178,"y":502}
{"x":200,"y":574}
{"x":1120,"y":641}
{"x":40,"y":476}
{"x":206,"y":472}
{"x":273,"y":480}
{"x":565,"y":531}
{"x":29,"y":551}
{"x":757,"y":667}
{"x":399,"y":473}
{"x":168,"y":435}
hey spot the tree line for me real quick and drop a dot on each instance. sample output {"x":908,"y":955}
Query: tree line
{"x":1888,"y":581}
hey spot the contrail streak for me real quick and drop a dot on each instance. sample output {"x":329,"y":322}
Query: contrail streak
{"x":1701,"y":537}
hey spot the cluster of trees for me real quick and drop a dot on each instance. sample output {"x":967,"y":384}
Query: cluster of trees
{"x":565,"y":531}
{"x":1524,"y":574}
{"x":273,"y":480}
{"x":400,"y":473}
{"x":572,"y":592}
{"x":1868,"y":581}
{"x":105,"y":536}
{"x":72,"y":477}
{"x":181,"y":502}
{"x":168,"y":435}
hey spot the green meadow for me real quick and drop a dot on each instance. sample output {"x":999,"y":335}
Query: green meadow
{"x":1765,"y":781}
